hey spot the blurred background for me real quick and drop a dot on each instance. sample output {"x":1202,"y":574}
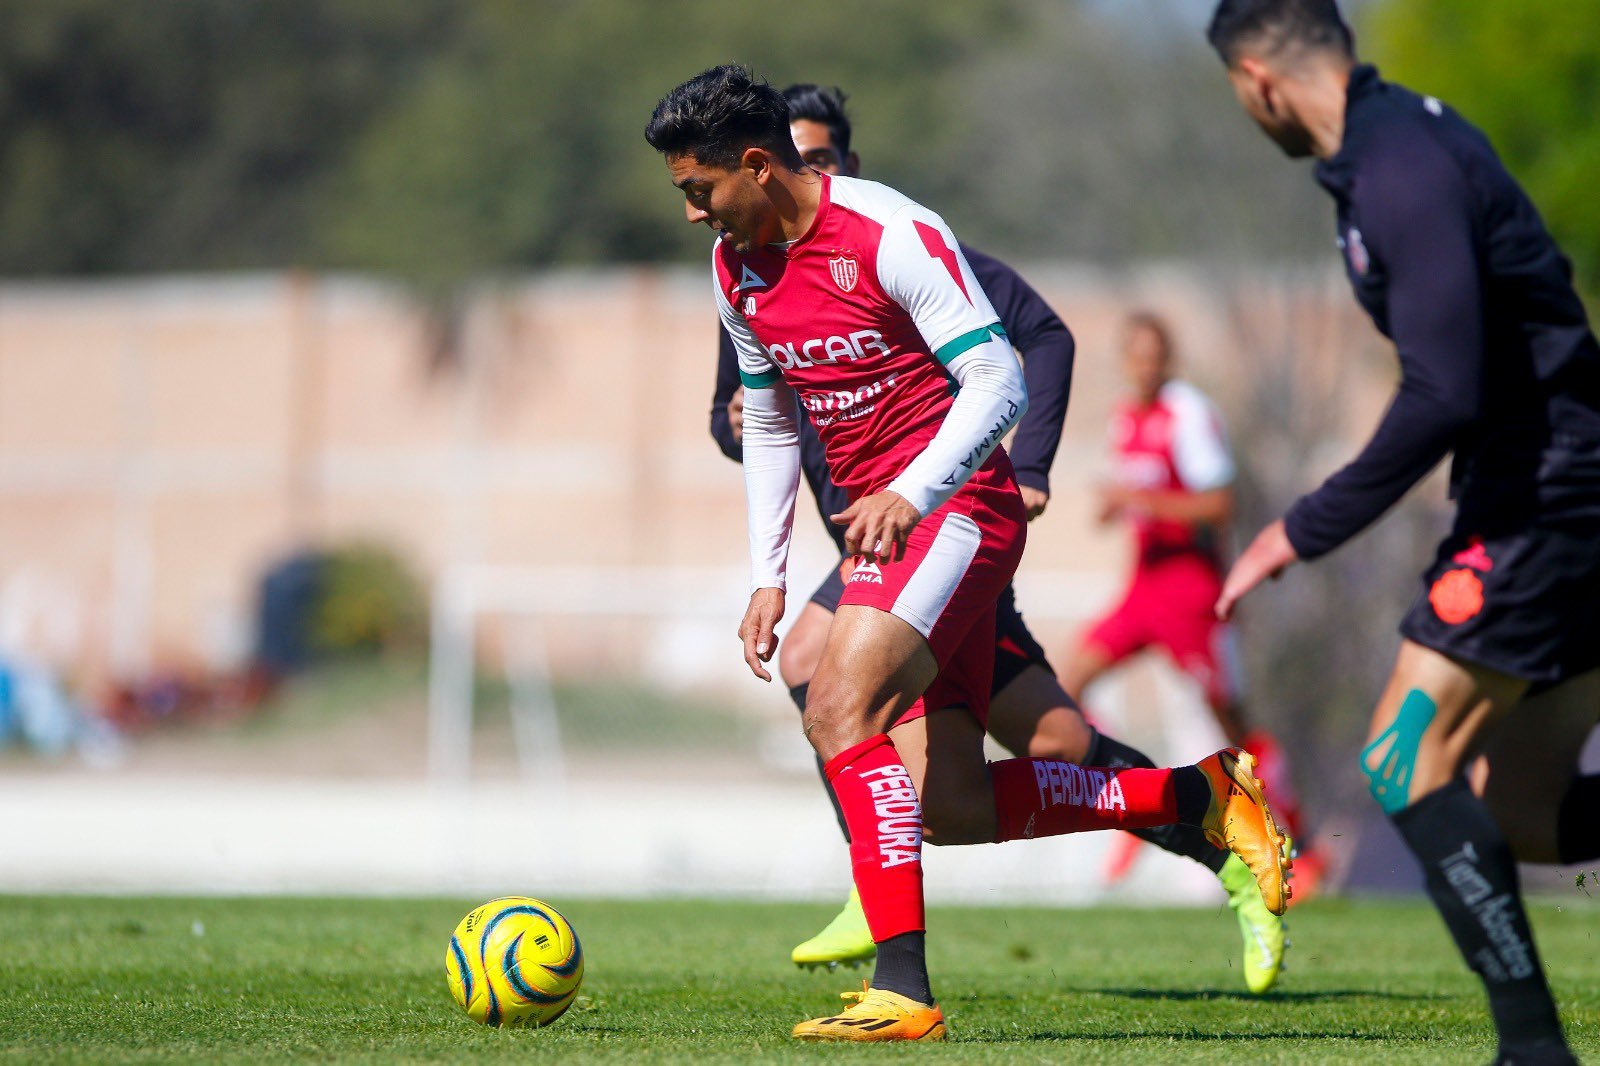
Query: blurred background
{"x":360,"y":529}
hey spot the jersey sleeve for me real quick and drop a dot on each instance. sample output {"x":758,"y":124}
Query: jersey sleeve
{"x":1199,"y":443}
{"x":722,"y":395}
{"x":1417,"y":209}
{"x":922,"y":269}
{"x":1048,"y":351}
{"x":771,"y":450}
{"x":756,"y":368}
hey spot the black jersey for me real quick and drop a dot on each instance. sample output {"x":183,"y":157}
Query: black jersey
{"x":1450,"y":258}
{"x":1037,"y":332}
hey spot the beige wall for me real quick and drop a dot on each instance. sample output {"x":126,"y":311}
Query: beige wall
{"x":161,"y":441}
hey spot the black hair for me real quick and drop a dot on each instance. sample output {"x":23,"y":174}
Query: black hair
{"x":716,"y":115}
{"x":810,"y":101}
{"x":1276,"y":24}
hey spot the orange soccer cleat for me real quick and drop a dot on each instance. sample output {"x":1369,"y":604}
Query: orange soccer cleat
{"x":876,"y":1015}
{"x":1240,"y":820}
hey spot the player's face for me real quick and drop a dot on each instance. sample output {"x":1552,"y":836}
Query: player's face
{"x":730,"y":201}
{"x":818,"y":150}
{"x":1146,"y":362}
{"x":1257,"y":89}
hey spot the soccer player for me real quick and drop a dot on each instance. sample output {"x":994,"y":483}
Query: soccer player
{"x":1174,"y":485}
{"x":847,"y":299}
{"x":1028,"y":712}
{"x":1498,"y":366}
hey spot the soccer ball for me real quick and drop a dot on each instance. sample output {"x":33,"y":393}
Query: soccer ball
{"x":514,"y":961}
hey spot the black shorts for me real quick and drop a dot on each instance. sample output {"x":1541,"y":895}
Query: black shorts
{"x":1515,"y":586}
{"x":1014,"y":650}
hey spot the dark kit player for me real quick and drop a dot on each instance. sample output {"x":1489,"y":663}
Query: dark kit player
{"x":1499,"y":369}
{"x":848,"y":300}
{"x":1028,"y":712}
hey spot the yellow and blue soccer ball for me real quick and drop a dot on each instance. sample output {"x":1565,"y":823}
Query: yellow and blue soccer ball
{"x":514,"y":961}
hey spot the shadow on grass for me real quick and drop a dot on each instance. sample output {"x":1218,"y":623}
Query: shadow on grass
{"x":1193,"y":995}
{"x":1185,"y":1035}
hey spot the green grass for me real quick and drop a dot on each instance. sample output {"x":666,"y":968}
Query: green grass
{"x":259,"y":980}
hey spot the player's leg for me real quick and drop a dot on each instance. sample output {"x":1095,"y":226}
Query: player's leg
{"x":1528,"y":774}
{"x":845,"y":940}
{"x":1427,"y":725}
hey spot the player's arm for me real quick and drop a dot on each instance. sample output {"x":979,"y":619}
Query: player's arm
{"x":1416,"y":208}
{"x":724,"y":430}
{"x":1048,"y":352}
{"x":921,"y":267}
{"x":771,"y":482}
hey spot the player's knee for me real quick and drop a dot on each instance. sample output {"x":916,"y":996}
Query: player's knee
{"x":832,"y":717}
{"x":1063,"y":735}
{"x":798,"y":657}
{"x":1390,"y":760}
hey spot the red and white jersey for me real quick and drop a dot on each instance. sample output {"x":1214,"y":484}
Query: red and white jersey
{"x":1176,"y":444}
{"x":860,"y":316}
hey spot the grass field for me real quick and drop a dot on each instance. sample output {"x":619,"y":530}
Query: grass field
{"x":349,"y":980}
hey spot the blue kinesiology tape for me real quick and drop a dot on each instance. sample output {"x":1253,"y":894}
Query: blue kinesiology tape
{"x":1389,"y":760}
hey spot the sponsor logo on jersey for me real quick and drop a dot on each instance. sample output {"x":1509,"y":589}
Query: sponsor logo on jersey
{"x":868,"y":573}
{"x":846,"y":403}
{"x":846,"y":271}
{"x":750,"y":280}
{"x":749,"y":307}
{"x":894,"y":801}
{"x":800,"y":354}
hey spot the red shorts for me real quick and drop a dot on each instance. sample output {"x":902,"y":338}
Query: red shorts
{"x":958,"y":562}
{"x":1172,"y":605}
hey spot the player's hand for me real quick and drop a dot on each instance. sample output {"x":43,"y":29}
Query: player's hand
{"x":736,"y":414}
{"x":760,"y":619}
{"x":1267,"y":557}
{"x":1114,"y":499}
{"x":1035,"y":500}
{"x":877,"y":526}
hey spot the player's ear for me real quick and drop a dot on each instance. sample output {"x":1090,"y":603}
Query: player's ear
{"x":1255,"y":77}
{"x":758,"y":161}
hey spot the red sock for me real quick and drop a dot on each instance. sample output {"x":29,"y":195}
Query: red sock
{"x":881,"y":808}
{"x":1046,"y":798}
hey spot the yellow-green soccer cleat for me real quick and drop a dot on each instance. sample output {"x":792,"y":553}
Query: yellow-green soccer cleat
{"x":1264,"y":942}
{"x":876,"y":1015}
{"x":1240,"y":821}
{"x":845,"y":940}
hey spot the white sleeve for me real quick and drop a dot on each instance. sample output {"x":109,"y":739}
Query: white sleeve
{"x":922,"y":269}
{"x":771,"y":453}
{"x":1199,"y":443}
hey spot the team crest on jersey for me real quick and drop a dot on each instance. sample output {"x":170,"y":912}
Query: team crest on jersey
{"x":846,"y":270}
{"x":750,"y":280}
{"x":1356,"y":249}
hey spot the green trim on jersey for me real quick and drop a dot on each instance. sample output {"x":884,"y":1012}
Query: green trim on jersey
{"x":968,"y":341}
{"x":759,"y":381}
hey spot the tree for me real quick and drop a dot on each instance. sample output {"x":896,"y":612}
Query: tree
{"x":1527,"y":74}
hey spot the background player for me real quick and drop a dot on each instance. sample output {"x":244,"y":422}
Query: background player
{"x":1499,"y":367}
{"x":1173,"y":485}
{"x":847,"y":298}
{"x":1029,"y":713}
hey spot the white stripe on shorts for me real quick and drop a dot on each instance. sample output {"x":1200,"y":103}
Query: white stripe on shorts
{"x":928,"y":592}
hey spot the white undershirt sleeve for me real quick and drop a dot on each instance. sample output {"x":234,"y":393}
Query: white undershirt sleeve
{"x":771,"y":452}
{"x":991,"y":399}
{"x":922,"y":269}
{"x":1199,"y":444}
